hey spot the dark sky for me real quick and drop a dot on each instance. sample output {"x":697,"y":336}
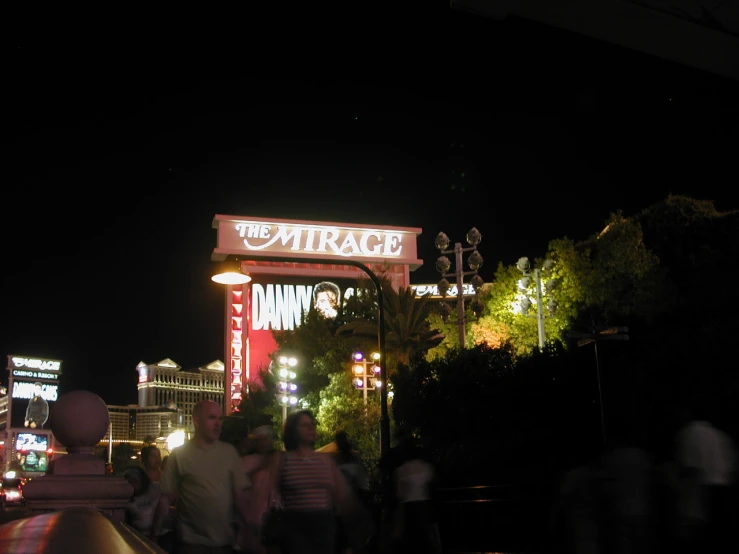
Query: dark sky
{"x":125,"y":145}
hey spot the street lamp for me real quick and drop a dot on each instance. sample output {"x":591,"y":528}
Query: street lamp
{"x":598,"y":334}
{"x":228,"y":272}
{"x":523,"y":301}
{"x":474,"y":261}
{"x":286,"y":388}
{"x":366,"y":373}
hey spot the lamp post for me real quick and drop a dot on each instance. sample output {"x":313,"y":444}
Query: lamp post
{"x":599,"y":333}
{"x":474,"y":261}
{"x":523,"y":303}
{"x":286,"y":388}
{"x":366,"y":373}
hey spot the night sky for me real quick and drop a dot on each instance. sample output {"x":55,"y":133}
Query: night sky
{"x":124,"y":147}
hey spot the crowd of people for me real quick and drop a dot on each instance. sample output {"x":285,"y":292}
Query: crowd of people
{"x":267,"y":498}
{"x":214,"y":498}
{"x":625,"y":500}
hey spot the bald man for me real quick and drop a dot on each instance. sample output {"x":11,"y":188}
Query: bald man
{"x":206,"y":480}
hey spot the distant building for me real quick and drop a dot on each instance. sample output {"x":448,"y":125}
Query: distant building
{"x":164,"y":385}
{"x":133,"y":423}
{"x":166,"y":398}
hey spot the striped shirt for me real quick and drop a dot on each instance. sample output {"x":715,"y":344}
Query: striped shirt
{"x":307,"y":483}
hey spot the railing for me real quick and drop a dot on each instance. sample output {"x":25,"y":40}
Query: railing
{"x":488,"y":518}
{"x":495,"y":518}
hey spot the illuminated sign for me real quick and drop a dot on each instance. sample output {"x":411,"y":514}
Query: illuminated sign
{"x":31,"y":441}
{"x":277,"y":303}
{"x":32,"y":451}
{"x":143,"y":373}
{"x":40,"y":364}
{"x":321,"y":249}
{"x":237,"y":348}
{"x":27,"y":409}
{"x":279,"y":306}
{"x":433,"y":290}
{"x":282,"y":306}
{"x":34,"y":374}
{"x":263,"y":237}
{"x":27,"y":391}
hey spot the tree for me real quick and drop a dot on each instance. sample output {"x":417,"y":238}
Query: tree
{"x":322,"y":352}
{"x":408,"y":333}
{"x":342,"y":408}
{"x":488,"y":413}
{"x":122,"y":455}
{"x":319,"y":352}
{"x":258,"y":406}
{"x":620,"y":275}
{"x":610,"y":277}
{"x":445,"y":336}
{"x":501,"y":325}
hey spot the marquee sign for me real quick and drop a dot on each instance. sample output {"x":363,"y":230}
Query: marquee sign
{"x":27,"y":391}
{"x":33,"y":384}
{"x":30,"y":401}
{"x":24,"y":367}
{"x":433,"y":291}
{"x":261,"y":237}
{"x":38,"y":364}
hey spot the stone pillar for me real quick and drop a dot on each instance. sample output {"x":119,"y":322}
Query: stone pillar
{"x":79,"y":420}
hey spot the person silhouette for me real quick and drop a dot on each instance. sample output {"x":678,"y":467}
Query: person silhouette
{"x":37,"y":411}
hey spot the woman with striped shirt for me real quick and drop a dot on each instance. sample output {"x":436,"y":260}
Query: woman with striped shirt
{"x":311,"y":488}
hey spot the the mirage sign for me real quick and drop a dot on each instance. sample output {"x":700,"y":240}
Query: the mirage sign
{"x":297,"y":267}
{"x":305,"y":239}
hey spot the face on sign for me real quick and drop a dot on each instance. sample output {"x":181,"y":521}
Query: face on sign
{"x":326,"y":299}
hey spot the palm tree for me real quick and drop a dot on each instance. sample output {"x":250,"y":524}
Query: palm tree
{"x":407,"y":331}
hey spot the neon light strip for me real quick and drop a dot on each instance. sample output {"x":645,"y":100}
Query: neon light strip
{"x":237,"y":326}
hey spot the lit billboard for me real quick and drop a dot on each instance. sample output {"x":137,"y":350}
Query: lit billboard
{"x":34,"y":383}
{"x":280,"y":302}
{"x":32,"y":451}
{"x":31,"y":403}
{"x":34,"y":368}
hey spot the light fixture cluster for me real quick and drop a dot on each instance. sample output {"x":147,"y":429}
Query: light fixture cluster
{"x":444,"y":264}
{"x":366,"y":372}
{"x":286,"y":388}
{"x":525,"y":297}
{"x":525,"y":300}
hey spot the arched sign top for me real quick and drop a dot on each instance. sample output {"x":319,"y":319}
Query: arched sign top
{"x":256,"y":237}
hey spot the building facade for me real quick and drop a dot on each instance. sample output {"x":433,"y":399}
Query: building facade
{"x":133,"y":423}
{"x":166,"y":391}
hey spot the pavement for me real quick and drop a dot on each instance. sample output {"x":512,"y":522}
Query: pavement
{"x":457,"y":545}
